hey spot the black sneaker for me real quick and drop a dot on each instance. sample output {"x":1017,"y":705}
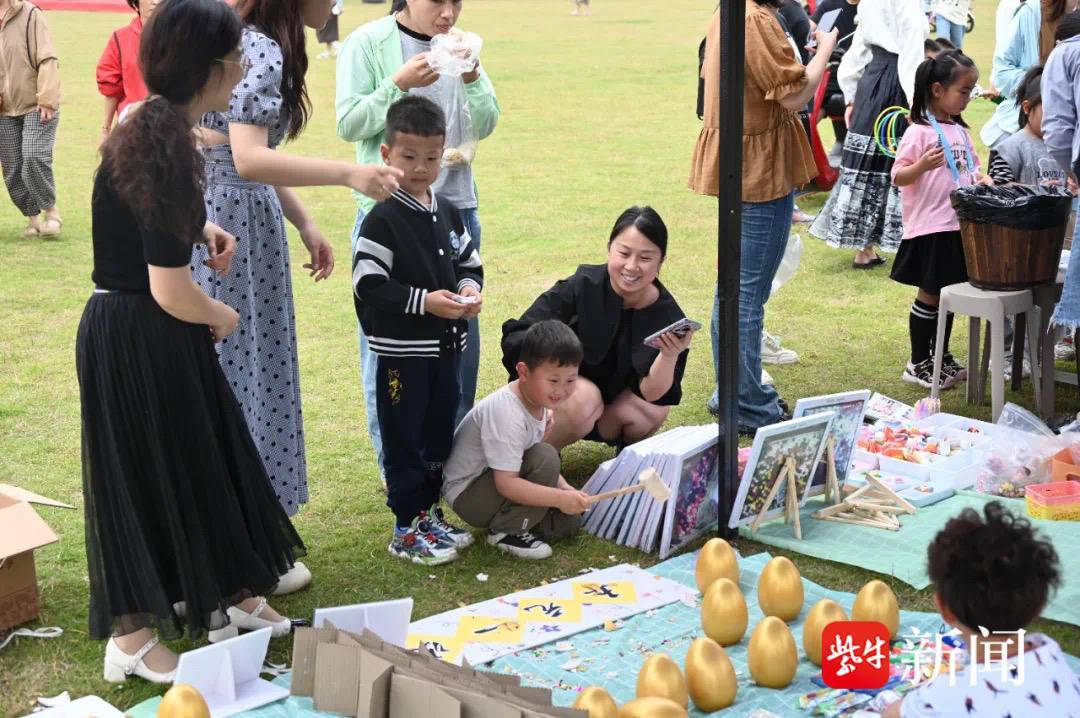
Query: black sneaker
{"x":923,"y":375}
{"x":952,"y":371}
{"x":522,"y":545}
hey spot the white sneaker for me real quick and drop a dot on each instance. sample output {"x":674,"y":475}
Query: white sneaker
{"x":119,"y":665}
{"x":293,"y":580}
{"x":335,"y":47}
{"x":245,"y":621}
{"x":1064,"y":350}
{"x":773,"y":353}
{"x":766,"y":378}
{"x":1008,"y":369}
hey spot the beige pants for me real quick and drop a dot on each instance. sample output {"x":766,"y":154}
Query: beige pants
{"x":482,"y":506}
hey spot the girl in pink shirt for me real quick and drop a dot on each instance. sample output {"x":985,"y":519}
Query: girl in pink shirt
{"x":936,"y":156}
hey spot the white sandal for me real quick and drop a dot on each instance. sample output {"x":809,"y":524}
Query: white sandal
{"x":251,"y":622}
{"x":119,"y":665}
{"x":51,"y":227}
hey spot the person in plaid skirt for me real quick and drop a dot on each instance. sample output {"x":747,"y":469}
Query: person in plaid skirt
{"x":29,"y":114}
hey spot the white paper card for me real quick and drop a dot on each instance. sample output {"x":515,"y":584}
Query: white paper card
{"x":85,"y":707}
{"x":227,"y":674}
{"x":388,"y":619}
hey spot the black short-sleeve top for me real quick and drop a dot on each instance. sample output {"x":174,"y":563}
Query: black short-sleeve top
{"x":613,"y":337}
{"x":123,"y":247}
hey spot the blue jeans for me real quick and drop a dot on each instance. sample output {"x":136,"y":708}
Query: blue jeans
{"x":949,"y":31}
{"x":765,"y":230}
{"x":714,"y":402}
{"x":467,"y":368}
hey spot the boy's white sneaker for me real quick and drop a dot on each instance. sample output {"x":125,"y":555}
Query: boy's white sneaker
{"x":522,"y":545}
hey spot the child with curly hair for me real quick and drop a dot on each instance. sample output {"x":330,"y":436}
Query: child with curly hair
{"x":992,"y":576}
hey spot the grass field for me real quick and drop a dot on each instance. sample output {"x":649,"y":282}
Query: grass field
{"x":597,"y":115}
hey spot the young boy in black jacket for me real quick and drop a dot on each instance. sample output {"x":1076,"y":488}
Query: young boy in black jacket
{"x":417,"y":280}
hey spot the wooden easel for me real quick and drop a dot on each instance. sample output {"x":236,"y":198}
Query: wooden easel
{"x":874,"y":505}
{"x":833,"y":494}
{"x":786,"y":477}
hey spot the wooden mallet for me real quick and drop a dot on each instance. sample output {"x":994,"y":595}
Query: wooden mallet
{"x":648,"y":480}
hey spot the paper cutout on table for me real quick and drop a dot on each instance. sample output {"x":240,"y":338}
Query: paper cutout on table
{"x":605,"y":592}
{"x":650,"y":592}
{"x":549,"y":610}
{"x":445,"y":648}
{"x":490,"y":629}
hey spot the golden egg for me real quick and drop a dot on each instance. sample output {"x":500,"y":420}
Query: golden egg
{"x":652,"y":707}
{"x":710,"y":677}
{"x":597,"y":702}
{"x":661,"y":677}
{"x":716,"y":560}
{"x":822,"y":614}
{"x":723,"y":612}
{"x":772,"y":657}
{"x":780,"y":589}
{"x":183,"y":701}
{"x":877,"y":602}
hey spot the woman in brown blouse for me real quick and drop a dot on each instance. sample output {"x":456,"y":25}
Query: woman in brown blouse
{"x":776,"y":160}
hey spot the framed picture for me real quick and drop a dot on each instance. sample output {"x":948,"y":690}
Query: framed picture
{"x":800,"y":439}
{"x":694,"y":507}
{"x":882,"y":408}
{"x":850,"y":408}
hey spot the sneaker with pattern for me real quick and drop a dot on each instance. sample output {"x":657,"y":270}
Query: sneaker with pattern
{"x":952,"y":371}
{"x":923,"y":374}
{"x":458,"y":537}
{"x":419,"y":544}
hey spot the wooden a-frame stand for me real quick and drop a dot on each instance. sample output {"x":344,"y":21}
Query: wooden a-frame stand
{"x":875,"y":504}
{"x":786,"y":478}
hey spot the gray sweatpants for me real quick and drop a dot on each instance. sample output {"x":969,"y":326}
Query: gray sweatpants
{"x":482,"y":506}
{"x":26,"y":155}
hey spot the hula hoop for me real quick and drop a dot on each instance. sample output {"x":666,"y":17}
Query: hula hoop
{"x":885,"y":130}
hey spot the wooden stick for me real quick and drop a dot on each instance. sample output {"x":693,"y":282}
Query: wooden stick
{"x":881,"y":487}
{"x":832,"y":484}
{"x":616,"y":492}
{"x":793,"y":500}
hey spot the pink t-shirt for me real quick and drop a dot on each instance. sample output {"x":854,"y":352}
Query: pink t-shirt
{"x":926,"y":204}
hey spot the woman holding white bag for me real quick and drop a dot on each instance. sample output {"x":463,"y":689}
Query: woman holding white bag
{"x":379,"y":63}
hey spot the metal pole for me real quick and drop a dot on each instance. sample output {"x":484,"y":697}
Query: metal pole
{"x":728,"y":246}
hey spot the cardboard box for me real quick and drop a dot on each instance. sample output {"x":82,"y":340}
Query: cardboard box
{"x":21,"y":532}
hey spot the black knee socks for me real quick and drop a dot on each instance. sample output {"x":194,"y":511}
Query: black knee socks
{"x":922,"y":326}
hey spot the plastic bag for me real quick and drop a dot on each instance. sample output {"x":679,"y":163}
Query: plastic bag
{"x":1014,"y":205}
{"x":452,"y":55}
{"x":789,"y":264}
{"x":1018,"y":418}
{"x":1009,"y":468}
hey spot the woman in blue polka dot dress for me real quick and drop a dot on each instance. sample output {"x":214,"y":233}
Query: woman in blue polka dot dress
{"x":247,"y":194}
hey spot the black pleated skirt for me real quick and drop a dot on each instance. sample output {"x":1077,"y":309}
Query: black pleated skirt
{"x":178,"y":505}
{"x":931,"y":262}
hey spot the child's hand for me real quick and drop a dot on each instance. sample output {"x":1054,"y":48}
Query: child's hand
{"x":441,"y":304}
{"x":220,"y":245}
{"x":471,"y":310}
{"x":573,"y":502}
{"x":932,"y":158}
{"x":984,"y":180}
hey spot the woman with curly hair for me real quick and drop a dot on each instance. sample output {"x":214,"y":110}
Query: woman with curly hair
{"x":178,"y":506}
{"x":248,"y":193}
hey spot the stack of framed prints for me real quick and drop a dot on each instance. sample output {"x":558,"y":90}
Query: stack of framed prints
{"x":686,"y":459}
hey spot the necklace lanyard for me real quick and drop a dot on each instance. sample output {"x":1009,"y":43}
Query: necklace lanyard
{"x":947,"y":147}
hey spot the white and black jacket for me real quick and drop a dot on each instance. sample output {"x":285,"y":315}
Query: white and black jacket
{"x":404,"y":251}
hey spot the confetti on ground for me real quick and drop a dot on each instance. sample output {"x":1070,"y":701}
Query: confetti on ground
{"x":431,"y":576}
{"x":571,"y":665}
{"x":612,"y":558}
{"x":482,"y":577}
{"x":564,"y":646}
{"x":612,"y":625}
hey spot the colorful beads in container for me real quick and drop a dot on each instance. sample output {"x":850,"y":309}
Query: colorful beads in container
{"x":1002,"y":477}
{"x":1056,"y":501}
{"x":910,"y":444}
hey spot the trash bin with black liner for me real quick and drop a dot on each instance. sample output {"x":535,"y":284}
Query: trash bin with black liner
{"x":1012,"y":234}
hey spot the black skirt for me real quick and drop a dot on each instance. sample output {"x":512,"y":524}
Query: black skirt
{"x":931,"y":262}
{"x":178,"y":504}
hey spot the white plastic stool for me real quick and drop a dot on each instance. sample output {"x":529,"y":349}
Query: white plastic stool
{"x":994,"y":307}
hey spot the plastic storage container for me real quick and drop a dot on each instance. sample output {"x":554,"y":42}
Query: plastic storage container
{"x":1056,"y":501}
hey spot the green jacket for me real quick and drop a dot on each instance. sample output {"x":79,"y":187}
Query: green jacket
{"x":368,"y":58}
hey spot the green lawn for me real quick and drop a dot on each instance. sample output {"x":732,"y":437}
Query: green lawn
{"x":597,"y":115}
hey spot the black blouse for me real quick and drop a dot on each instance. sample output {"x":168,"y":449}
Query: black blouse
{"x":123,"y":247}
{"x":616,"y":357}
